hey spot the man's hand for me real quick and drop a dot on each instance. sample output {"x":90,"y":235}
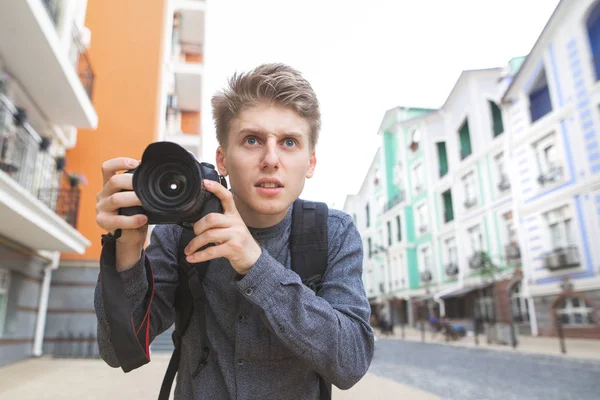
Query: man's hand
{"x":227,"y":231}
{"x":116,"y":193}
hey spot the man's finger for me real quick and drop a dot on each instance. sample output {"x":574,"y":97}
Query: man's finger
{"x":209,"y":253}
{"x":111,"y":167}
{"x":211,"y":221}
{"x":222,"y":193}
{"x":216,"y":236}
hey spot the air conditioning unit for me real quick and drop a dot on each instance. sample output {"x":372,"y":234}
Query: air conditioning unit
{"x":418,"y":188}
{"x":423,"y":229}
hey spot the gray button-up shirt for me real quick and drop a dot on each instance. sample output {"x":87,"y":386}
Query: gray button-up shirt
{"x":269,"y":333}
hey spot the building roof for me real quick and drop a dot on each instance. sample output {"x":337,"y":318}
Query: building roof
{"x":537,"y":49}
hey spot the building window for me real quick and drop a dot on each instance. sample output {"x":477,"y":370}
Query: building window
{"x":425,"y":261}
{"x":475,"y":240}
{"x":465,"y":140}
{"x":548,"y":160}
{"x":389,"y":232}
{"x":422,"y":221}
{"x":354,"y":219}
{"x":519,"y":304}
{"x":442,"y":158}
{"x":370,"y":241}
{"x":418,"y":179}
{"x":448,"y":211}
{"x":502,"y":181}
{"x":497,"y":125}
{"x":399,"y":227}
{"x":368,"y":215}
{"x":451,"y":264}
{"x":593,"y":28}
{"x":511,"y":242}
{"x":574,"y":310}
{"x":560,"y":226}
{"x":470,"y":190}
{"x":4,"y":283}
{"x":539,"y":98}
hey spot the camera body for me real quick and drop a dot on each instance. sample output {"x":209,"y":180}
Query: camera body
{"x":169,"y":184}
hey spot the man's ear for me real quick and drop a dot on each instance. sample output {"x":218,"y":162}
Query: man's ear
{"x":311,"y":165}
{"x":221,"y":161}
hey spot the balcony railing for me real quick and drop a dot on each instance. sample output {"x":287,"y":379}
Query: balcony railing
{"x":397,"y":199}
{"x":426,"y":276}
{"x":25,"y":159}
{"x":513,"y":252}
{"x":561,"y":258}
{"x":504,"y":184}
{"x":451,"y":269}
{"x":78,"y":52}
{"x":553,"y":174}
{"x":81,"y":61}
{"x":477,"y":260}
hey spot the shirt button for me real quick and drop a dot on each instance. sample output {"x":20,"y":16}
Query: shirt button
{"x":242,"y":318}
{"x":249,"y":291}
{"x":240,"y":362}
{"x":281,"y":328}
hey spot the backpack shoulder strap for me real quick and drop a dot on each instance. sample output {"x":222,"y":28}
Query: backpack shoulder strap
{"x":309,"y":248}
{"x":309,"y":241}
{"x":189,"y":297}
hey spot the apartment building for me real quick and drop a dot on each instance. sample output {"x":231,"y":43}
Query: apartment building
{"x":46,"y":91}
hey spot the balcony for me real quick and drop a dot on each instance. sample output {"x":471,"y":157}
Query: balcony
{"x":397,"y":199}
{"x":451,"y":269}
{"x":562,"y":258}
{"x":426,"y":276}
{"x":552,"y":175}
{"x":504,"y":184}
{"x":470,"y":203}
{"x":35,"y":210}
{"x":512,"y":252}
{"x":477,"y":260}
{"x":187,"y":53}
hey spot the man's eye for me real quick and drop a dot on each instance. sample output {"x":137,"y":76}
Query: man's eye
{"x":251,"y":140}
{"x":290,"y":142}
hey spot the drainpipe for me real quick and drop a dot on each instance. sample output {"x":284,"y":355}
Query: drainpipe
{"x":43,"y":305}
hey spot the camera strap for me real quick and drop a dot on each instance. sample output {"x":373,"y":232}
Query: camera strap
{"x":130,"y":343}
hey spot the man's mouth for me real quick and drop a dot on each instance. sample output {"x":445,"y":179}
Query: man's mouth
{"x":269,"y":185}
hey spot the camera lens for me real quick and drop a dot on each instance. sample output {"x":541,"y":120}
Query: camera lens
{"x":172,"y":184}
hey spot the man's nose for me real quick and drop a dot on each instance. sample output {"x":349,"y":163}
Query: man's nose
{"x":270,"y":156}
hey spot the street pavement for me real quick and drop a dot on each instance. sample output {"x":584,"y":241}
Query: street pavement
{"x":455,"y":372}
{"x":83,"y":379}
{"x":401,"y":369}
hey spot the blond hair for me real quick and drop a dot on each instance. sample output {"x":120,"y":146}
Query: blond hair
{"x":271,"y":83}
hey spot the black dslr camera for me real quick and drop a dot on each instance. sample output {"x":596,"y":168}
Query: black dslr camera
{"x":169,"y":184}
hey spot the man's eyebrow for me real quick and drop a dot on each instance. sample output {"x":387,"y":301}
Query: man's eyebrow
{"x":258,"y":132}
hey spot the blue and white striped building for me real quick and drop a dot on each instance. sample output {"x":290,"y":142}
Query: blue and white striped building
{"x":552,"y":109}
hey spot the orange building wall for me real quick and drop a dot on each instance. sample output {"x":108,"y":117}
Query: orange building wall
{"x":190,"y":122}
{"x":126,"y":54}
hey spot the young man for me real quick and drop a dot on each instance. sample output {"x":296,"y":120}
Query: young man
{"x":270,"y":336}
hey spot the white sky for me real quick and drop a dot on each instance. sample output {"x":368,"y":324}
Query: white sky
{"x":363,"y":58}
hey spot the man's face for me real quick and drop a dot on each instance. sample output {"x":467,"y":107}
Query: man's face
{"x":268,"y":158}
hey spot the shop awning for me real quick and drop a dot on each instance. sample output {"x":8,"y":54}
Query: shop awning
{"x":459,"y":292}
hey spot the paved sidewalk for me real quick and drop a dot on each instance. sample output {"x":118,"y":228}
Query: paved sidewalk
{"x":576,"y":348}
{"x":48,"y":378}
